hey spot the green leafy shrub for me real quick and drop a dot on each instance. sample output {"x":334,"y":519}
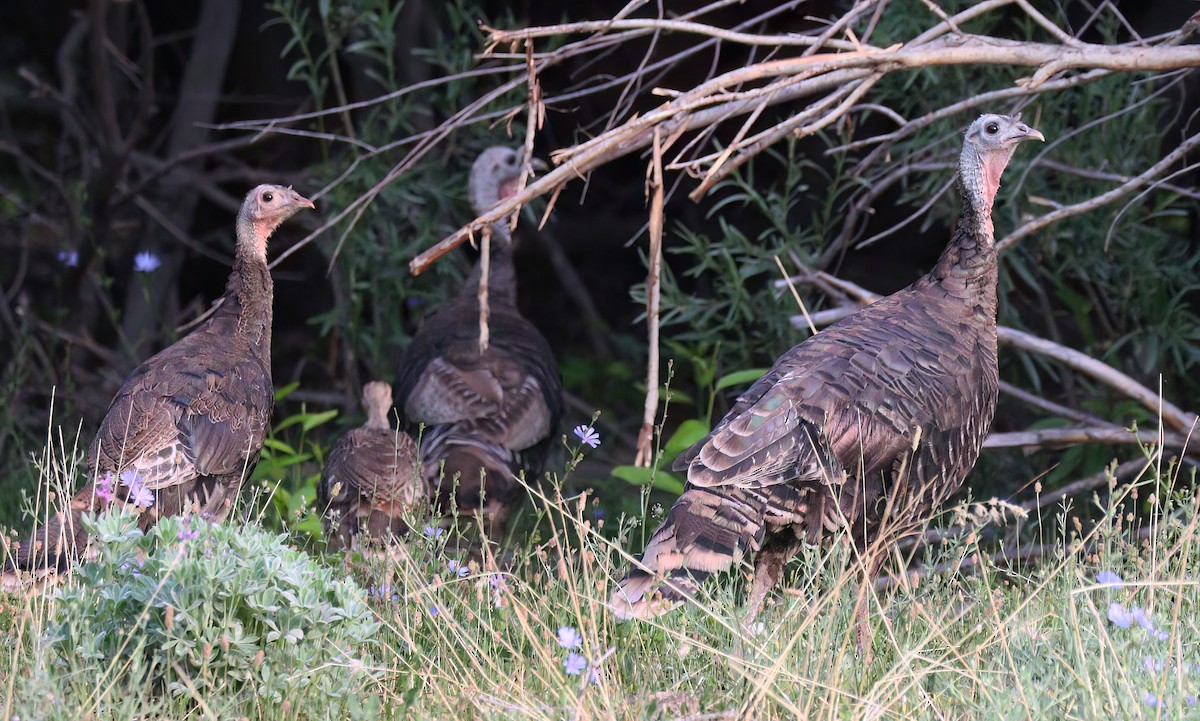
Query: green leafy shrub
{"x":225,"y":615}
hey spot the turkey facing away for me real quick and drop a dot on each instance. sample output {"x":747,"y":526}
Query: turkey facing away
{"x":867,"y":425}
{"x":487,"y":416}
{"x":370,"y":479}
{"x":187,"y":426}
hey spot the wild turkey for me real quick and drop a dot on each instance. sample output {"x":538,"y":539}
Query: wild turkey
{"x":370,"y":478}
{"x":487,"y":416}
{"x":188,"y":424}
{"x":872,"y":422}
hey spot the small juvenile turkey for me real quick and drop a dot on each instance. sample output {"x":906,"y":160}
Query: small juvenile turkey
{"x":487,"y":417}
{"x":370,"y":478}
{"x":188,"y":424}
{"x":870,"y":423}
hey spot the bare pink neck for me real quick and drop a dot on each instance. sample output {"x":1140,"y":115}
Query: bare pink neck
{"x":377,"y":418}
{"x":250,"y":283}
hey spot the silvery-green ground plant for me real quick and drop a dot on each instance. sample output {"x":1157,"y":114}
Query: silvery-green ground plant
{"x":211,"y":619}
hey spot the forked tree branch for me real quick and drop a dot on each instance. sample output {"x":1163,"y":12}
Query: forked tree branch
{"x":780,"y":81}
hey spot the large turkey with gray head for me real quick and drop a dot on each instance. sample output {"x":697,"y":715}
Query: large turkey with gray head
{"x":187,"y":426}
{"x":868,"y":424}
{"x":488,"y":417}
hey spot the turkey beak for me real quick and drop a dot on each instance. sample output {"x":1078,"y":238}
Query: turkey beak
{"x":300,"y":200}
{"x":1021,"y":131}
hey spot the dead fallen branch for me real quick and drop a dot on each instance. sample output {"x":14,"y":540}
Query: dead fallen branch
{"x":1173,"y":416}
{"x":785,"y":80}
{"x":1053,"y":438}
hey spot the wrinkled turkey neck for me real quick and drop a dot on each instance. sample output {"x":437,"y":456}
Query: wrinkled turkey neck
{"x":377,"y":418}
{"x":249,"y":292}
{"x":967,"y":267}
{"x":502,"y":275}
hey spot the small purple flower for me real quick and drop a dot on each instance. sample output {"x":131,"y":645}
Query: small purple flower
{"x":590,"y":436}
{"x":1119,"y":616}
{"x":574,"y":664}
{"x":594,"y":676}
{"x":433,"y":531}
{"x":135,"y":569}
{"x":498,"y":582}
{"x":458,"y":569}
{"x":69,"y":258}
{"x":568,"y":637}
{"x":104,"y":488}
{"x":1190,"y":700}
{"x":188,"y":532}
{"x":139,"y":495}
{"x":1143,"y":619}
{"x":1152,"y":701}
{"x":1108,"y":578}
{"x":433,"y":611}
{"x":146,"y":262}
{"x":1154,"y":665}
{"x":382,"y":592}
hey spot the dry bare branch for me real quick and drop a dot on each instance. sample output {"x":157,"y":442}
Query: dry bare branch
{"x":1052,"y":438}
{"x":654,"y":188}
{"x":791,"y":78}
{"x":1175,"y":417}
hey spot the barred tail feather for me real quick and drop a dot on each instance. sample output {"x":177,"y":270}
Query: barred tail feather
{"x":707,"y":531}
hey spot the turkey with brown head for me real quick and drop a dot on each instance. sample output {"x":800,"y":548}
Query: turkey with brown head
{"x":371,"y":480}
{"x":187,"y":426}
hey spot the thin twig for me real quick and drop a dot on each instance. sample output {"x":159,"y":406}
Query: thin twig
{"x":645,"y":454}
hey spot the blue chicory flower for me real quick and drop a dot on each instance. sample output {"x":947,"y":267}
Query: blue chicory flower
{"x":590,"y":436}
{"x":1143,"y":619}
{"x":146,"y":262}
{"x":458,"y":569}
{"x":433,"y":531}
{"x":568,"y":637}
{"x":1108,"y":578}
{"x":69,"y":258}
{"x":1119,"y":616}
{"x":139,"y":495}
{"x":574,"y":664}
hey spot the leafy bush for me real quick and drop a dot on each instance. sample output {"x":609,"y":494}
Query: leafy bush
{"x":220,"y":614}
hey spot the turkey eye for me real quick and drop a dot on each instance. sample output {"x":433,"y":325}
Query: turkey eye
{"x":992,"y":128}
{"x":268,"y":197}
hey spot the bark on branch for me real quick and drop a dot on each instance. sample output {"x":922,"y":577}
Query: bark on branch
{"x":1173,"y":416}
{"x":785,"y":80}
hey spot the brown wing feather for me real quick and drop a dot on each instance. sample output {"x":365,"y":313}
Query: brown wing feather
{"x":198,"y":408}
{"x":369,"y":474}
